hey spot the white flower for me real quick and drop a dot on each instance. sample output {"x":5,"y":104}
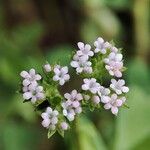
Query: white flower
{"x":64,"y":126}
{"x":68,"y":111}
{"x":103,"y":93}
{"x":30,"y":77}
{"x":34,"y":93}
{"x":84,"y":50}
{"x":25,"y":89}
{"x":74,"y":96}
{"x":115,"y":68}
{"x":114,"y":103}
{"x":72,"y":105}
{"x":91,"y":85}
{"x":114,"y":49}
{"x":115,"y":57}
{"x":101,"y":46}
{"x":47,"y":67}
{"x":118,"y":86}
{"x":114,"y":64}
{"x":81,"y":64}
{"x":50,"y":118}
{"x":61,"y":74}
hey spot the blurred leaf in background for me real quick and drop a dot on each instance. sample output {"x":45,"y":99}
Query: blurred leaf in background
{"x":89,"y":138}
{"x":99,"y":21}
{"x":133,"y":130}
{"x":60,"y":54}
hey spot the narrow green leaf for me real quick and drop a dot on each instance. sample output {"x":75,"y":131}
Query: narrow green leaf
{"x":126,"y":106}
{"x":61,"y":132}
{"x":50,"y":133}
{"x":89,"y":137}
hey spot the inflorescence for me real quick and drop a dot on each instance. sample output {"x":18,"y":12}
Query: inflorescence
{"x":103,"y":61}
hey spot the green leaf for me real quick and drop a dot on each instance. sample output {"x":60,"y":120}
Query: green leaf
{"x":91,"y":107}
{"x":50,"y":133}
{"x":25,"y":101}
{"x":89,"y":138}
{"x":139,"y":74}
{"x":126,"y":106}
{"x":106,"y":24}
{"x":119,"y":4}
{"x":143,"y":145}
{"x":56,"y":100}
{"x":123,"y":69}
{"x":42,"y":105}
{"x":18,"y":136}
{"x":61,"y":132}
{"x":60,"y":55}
{"x":133,"y":125}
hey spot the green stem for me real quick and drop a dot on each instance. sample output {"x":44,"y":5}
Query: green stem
{"x":78,"y":147}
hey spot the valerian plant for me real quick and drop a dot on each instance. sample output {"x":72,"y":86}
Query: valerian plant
{"x":93,"y":64}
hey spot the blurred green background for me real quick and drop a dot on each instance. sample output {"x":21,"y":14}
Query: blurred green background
{"x":33,"y":31}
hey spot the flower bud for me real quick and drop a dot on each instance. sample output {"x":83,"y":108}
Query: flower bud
{"x":96,"y":99}
{"x":47,"y":67}
{"x":64,"y":126}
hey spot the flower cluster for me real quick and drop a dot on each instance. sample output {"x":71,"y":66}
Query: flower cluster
{"x":60,"y":74}
{"x":72,"y":106}
{"x":114,"y":64}
{"x":81,"y":58}
{"x":58,"y":110}
{"x":50,"y":118}
{"x":31,"y":89}
{"x":99,"y":94}
{"x":112,"y":59}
